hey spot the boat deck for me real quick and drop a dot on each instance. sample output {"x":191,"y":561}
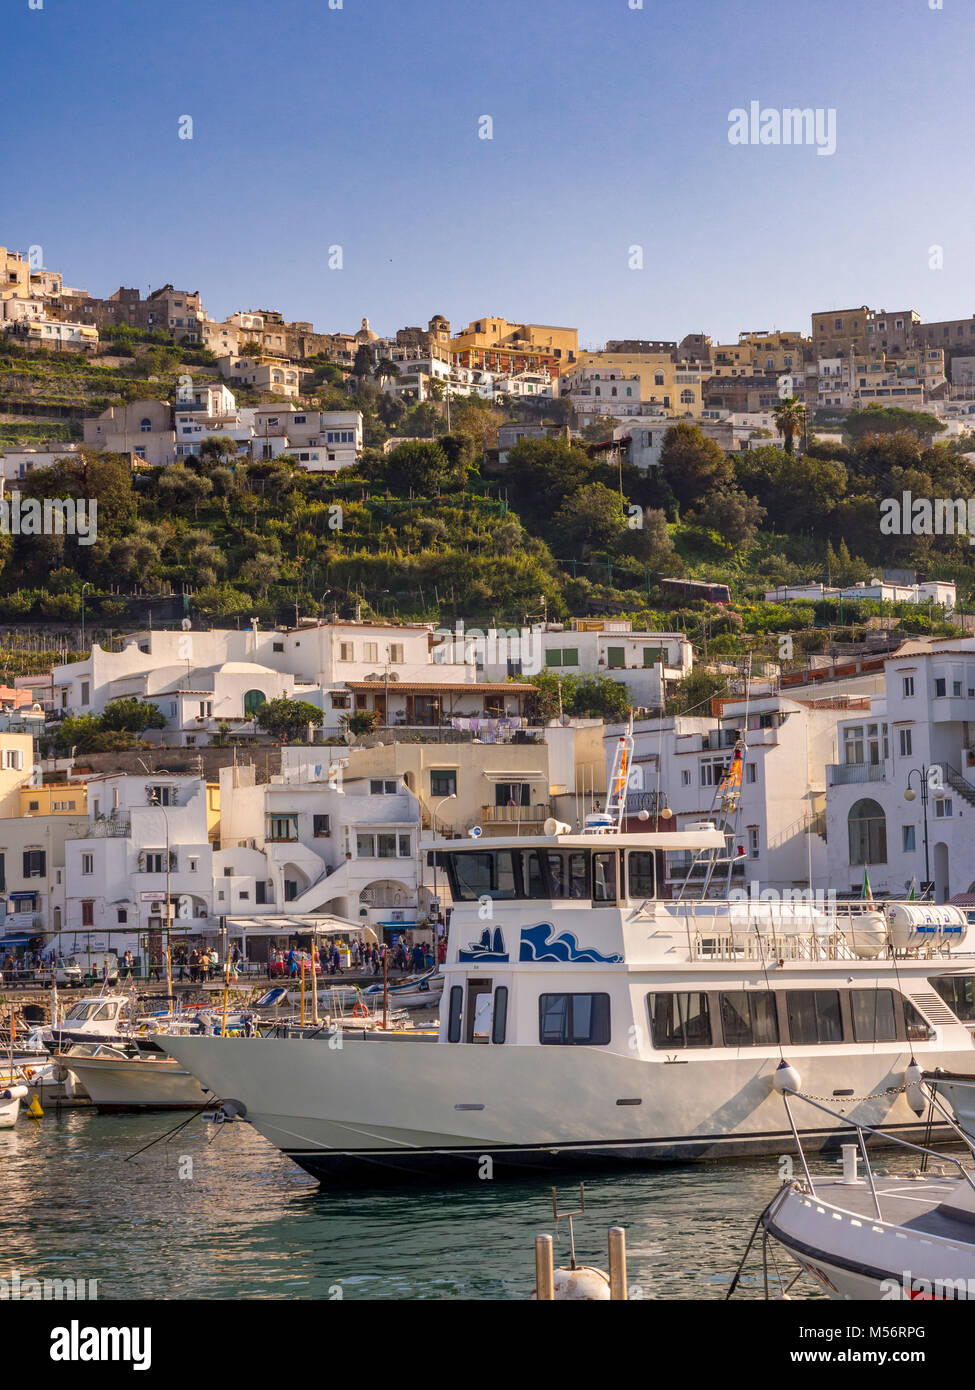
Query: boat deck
{"x":912,"y":1203}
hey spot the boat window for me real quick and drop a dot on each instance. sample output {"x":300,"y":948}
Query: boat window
{"x":81,"y":1013}
{"x":574,"y":1018}
{"x":557,"y":874}
{"x":814,"y":1015}
{"x":604,"y":877}
{"x":534,"y":875}
{"x":639,"y":873}
{"x":918,"y":1028}
{"x":500,"y":1014}
{"x":578,"y":876}
{"x":958,"y":992}
{"x":679,"y":1020}
{"x":874,"y":1019}
{"x":453,"y":1018}
{"x":748,"y":1018}
{"x":484,"y":874}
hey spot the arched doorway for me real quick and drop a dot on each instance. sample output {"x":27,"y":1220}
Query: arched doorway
{"x":942,"y":890}
{"x":253,"y":701}
{"x":868,"y":833}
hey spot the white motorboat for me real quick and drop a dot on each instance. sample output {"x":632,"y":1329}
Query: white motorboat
{"x":897,"y":1236}
{"x":120,"y":1079}
{"x":420,"y":992}
{"x":592,"y":1020}
{"x":12,"y":1092}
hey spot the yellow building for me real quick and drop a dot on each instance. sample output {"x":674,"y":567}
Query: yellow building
{"x":16,"y":770}
{"x":675,"y":388}
{"x":54,"y":799}
{"x":494,"y":344}
{"x":504,"y":788}
{"x":761,"y":354}
{"x":15,"y":270}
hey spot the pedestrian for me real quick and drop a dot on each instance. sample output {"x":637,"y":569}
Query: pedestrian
{"x":235,"y":960}
{"x":292,"y":963}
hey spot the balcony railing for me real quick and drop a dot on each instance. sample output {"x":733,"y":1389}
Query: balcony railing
{"x":846,"y":774}
{"x":513,"y":815}
{"x":106,"y":827}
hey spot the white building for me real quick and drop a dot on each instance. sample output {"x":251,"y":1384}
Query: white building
{"x":917,"y":736}
{"x":779,"y":835}
{"x":649,"y":664}
{"x":199,"y":680}
{"x":315,"y":841}
{"x":935,"y":591}
{"x":260,"y":375}
{"x":145,"y":836}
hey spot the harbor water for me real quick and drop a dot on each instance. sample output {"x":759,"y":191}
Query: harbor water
{"x":216,"y":1212}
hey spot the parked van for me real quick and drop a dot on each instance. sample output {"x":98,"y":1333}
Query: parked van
{"x":93,"y":966}
{"x":65,"y":972}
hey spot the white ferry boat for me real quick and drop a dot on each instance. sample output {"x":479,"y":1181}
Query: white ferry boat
{"x":590,"y":1020}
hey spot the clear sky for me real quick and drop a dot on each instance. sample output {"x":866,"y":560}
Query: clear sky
{"x":358,"y":127}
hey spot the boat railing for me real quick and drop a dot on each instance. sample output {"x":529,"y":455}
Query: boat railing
{"x":802,"y":929}
{"x":864,"y":1129}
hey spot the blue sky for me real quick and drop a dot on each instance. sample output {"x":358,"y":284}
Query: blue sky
{"x":359,"y":127}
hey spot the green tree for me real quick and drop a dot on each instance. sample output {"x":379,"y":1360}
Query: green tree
{"x":288,"y":720}
{"x":693,"y":465}
{"x":592,"y":518}
{"x":694,"y":692}
{"x":418,"y":467}
{"x":130,"y":715}
{"x":790,"y":417}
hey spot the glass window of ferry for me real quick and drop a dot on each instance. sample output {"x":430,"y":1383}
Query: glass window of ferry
{"x":874,"y":1019}
{"x":533,"y":875}
{"x":568,"y":874}
{"x":580,"y":1019}
{"x":604,"y":877}
{"x":958,"y":992}
{"x":814,"y":1015}
{"x":482,"y":874}
{"x":639,"y":873}
{"x":748,"y":1018}
{"x":679,"y":1020}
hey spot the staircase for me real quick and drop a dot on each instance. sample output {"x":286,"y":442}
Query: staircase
{"x":958,"y":783}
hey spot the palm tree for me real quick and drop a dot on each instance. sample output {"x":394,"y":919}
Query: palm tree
{"x":790,"y":418}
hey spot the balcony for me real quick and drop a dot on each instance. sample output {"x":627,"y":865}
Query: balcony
{"x":108,"y":827}
{"x":515,"y":815}
{"x":846,"y":774}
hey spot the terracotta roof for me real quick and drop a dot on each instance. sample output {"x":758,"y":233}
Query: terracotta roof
{"x":443,"y":687}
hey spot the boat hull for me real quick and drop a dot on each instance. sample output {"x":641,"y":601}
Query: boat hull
{"x":115,"y":1086}
{"x":859,"y":1259}
{"x":379,"y":1109}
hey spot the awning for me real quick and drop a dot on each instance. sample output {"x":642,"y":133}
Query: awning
{"x":21,"y":895}
{"x":295,"y":926}
{"x":8,"y":941}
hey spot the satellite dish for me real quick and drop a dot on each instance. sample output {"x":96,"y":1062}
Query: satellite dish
{"x":475,"y":832}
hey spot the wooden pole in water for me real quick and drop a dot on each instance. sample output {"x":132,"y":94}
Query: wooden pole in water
{"x":302,"y":990}
{"x":617,"y":1263}
{"x":544,"y":1270}
{"x":385,"y":984}
{"x":314,"y":981}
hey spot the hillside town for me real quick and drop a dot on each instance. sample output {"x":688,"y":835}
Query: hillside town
{"x":196,"y":784}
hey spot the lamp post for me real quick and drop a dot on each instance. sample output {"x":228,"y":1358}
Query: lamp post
{"x":169,"y":963}
{"x":930,"y":779}
{"x":84,"y":586}
{"x":451,"y":797}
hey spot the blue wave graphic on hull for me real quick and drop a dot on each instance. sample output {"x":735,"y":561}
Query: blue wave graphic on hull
{"x":535,"y":945}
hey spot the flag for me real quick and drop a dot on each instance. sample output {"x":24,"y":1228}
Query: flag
{"x":732,"y":773}
{"x":867,"y":892}
{"x":911,"y":894}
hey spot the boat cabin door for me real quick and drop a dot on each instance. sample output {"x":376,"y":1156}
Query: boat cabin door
{"x":481,"y":1016}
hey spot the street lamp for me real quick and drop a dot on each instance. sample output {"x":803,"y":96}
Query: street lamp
{"x":169,"y":936}
{"x":84,"y":586}
{"x":451,"y":797}
{"x":930,"y":779}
